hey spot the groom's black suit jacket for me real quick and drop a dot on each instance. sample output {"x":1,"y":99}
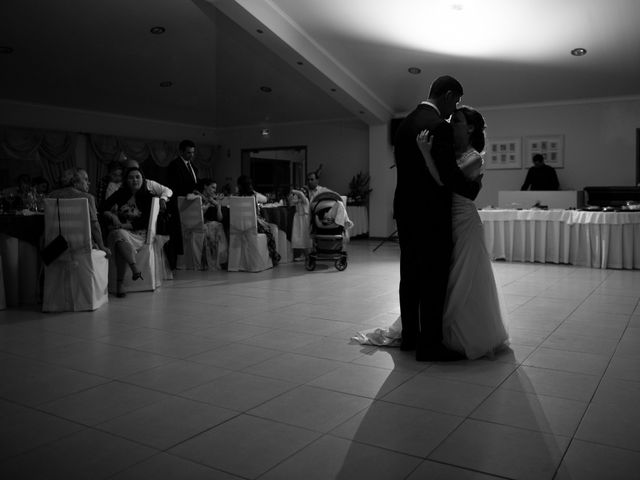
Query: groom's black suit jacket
{"x":422,"y":210}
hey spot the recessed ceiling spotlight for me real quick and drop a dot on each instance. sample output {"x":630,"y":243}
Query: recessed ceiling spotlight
{"x":5,"y":49}
{"x":265,"y":89}
{"x":579,"y":52}
{"x":265,"y":132}
{"x":166,"y":84}
{"x":157,"y":30}
{"x":414,"y":71}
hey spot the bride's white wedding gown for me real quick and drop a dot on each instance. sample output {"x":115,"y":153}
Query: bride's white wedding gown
{"x":473,"y":322}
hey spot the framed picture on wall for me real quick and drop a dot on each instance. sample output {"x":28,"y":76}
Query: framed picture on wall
{"x":503,"y":153}
{"x":551,"y":147}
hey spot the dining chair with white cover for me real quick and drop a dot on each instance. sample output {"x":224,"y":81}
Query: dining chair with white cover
{"x":76,"y":280}
{"x":284,"y":246}
{"x":247,"y":248}
{"x":3,"y":298}
{"x":148,"y":259}
{"x":193,"y":232}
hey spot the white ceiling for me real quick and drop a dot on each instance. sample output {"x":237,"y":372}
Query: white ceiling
{"x":100,"y":56}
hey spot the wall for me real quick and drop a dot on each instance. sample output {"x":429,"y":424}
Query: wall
{"x":599,"y":149}
{"x":599,"y":143}
{"x":383,"y":182}
{"x":20,"y":114}
{"x":47,"y":117}
{"x":342,"y":147}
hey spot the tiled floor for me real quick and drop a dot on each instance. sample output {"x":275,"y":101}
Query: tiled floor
{"x":240,"y":376}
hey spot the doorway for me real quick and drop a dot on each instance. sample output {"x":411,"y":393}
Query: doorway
{"x":277,"y":170}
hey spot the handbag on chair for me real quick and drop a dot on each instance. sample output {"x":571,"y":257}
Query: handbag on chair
{"x":57,"y":246}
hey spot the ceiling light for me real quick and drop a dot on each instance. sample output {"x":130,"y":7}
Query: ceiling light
{"x":265,"y":89}
{"x":5,"y":49}
{"x":414,"y":71}
{"x":259,"y":30}
{"x":299,"y":62}
{"x":166,"y":84}
{"x":334,"y":90}
{"x":579,"y":52}
{"x":157,"y":30}
{"x":265,"y":132}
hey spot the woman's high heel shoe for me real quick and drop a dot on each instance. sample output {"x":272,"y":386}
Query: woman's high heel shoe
{"x":135,"y":273}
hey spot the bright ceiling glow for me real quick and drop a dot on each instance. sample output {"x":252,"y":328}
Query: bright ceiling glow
{"x":499,"y":29}
{"x":473,"y":28}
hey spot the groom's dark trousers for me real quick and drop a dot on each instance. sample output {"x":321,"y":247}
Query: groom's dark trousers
{"x":422,"y":210}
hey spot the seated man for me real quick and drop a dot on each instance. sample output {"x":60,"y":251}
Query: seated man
{"x":75,"y":184}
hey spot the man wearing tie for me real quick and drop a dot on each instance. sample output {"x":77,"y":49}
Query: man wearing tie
{"x":182,"y":177}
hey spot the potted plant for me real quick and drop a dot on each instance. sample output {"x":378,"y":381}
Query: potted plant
{"x":359,"y":189}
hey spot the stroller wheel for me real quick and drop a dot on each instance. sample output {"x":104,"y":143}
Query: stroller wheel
{"x":310,"y":264}
{"x":341,"y":263}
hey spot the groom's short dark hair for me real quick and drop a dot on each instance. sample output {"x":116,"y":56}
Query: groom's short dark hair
{"x":443,"y":84}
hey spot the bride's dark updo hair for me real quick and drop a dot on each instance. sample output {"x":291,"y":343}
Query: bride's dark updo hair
{"x":476,"y":120}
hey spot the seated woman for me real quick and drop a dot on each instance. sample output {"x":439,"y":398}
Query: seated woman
{"x":245,"y":189}
{"x":215,"y":242}
{"x":127,"y":213}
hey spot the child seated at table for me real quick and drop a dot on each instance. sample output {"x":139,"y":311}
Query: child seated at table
{"x":300,"y":233}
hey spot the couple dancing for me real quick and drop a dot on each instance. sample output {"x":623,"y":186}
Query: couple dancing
{"x":449,"y":304}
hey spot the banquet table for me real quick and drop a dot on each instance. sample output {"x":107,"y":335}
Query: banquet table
{"x":282,"y":216}
{"x":20,"y":237}
{"x":360,"y":217}
{"x":583,"y":238}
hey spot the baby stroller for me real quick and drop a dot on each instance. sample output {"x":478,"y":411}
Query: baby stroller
{"x":326,"y":235}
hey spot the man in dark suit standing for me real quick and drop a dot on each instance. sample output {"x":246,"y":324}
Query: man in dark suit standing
{"x":182,"y":178}
{"x":422,"y":210}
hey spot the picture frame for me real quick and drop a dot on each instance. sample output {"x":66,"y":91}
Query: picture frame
{"x":550,"y":146}
{"x":503,"y":153}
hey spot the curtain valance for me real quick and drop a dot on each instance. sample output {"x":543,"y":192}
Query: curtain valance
{"x":53,"y":151}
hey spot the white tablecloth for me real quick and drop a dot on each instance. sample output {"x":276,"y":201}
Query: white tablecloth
{"x":592,"y":239}
{"x":360,"y":218}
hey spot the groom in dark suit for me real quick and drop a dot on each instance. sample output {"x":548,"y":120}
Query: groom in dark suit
{"x":422,"y":210}
{"x":182,"y":178}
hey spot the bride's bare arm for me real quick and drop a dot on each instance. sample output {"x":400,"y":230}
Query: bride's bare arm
{"x":425,"y":142}
{"x":473,"y":168}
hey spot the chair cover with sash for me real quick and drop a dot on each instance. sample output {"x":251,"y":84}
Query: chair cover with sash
{"x":247,"y":248}
{"x":77,"y":279}
{"x":193,"y":233}
{"x":149,"y":259}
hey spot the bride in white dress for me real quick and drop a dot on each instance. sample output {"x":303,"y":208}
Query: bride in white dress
{"x":473,"y":322}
